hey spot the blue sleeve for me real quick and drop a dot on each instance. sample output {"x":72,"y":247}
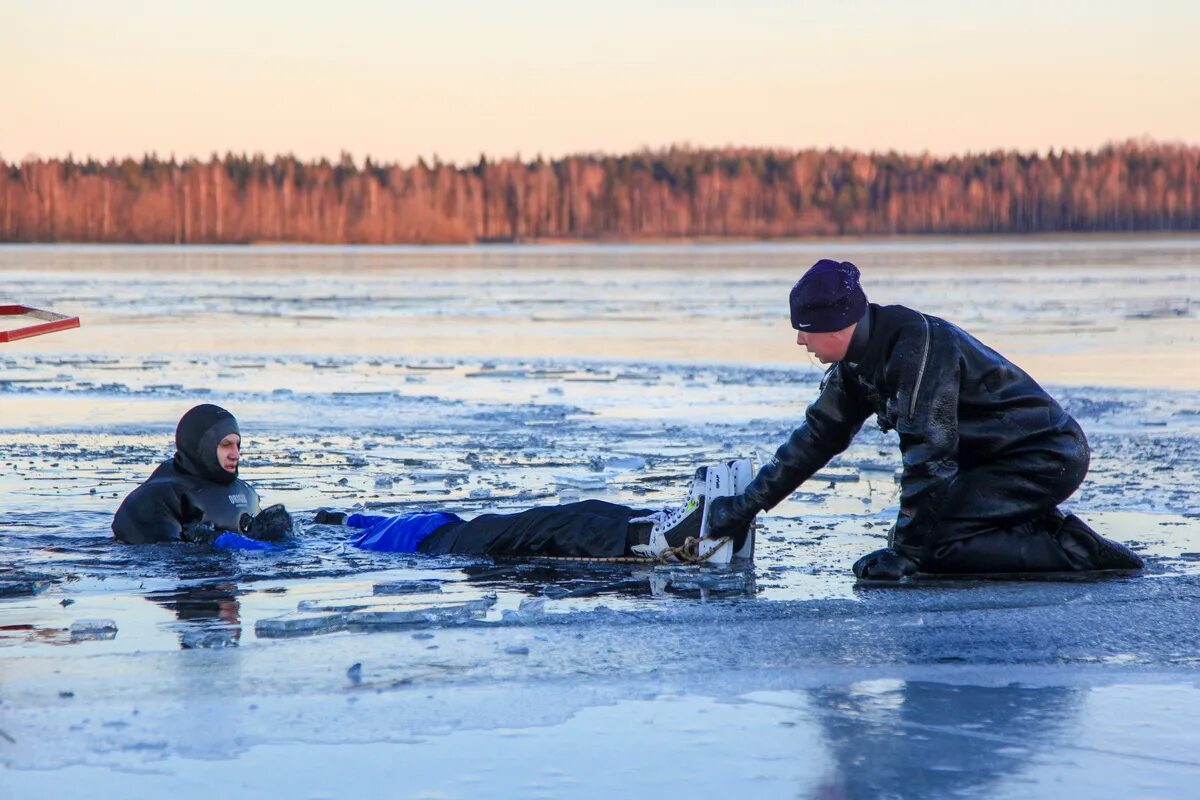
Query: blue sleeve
{"x":365,"y":520}
{"x":235,"y":541}
{"x":399,"y":534}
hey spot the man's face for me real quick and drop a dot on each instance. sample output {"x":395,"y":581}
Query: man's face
{"x":229,"y":452}
{"x":827,"y":347}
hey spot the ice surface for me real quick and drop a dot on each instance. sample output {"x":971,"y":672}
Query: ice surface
{"x":941,"y":688}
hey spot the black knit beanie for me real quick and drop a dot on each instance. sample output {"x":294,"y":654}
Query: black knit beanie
{"x":828,"y":298}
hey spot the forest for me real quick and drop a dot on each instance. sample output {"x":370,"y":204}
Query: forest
{"x":674,"y":193}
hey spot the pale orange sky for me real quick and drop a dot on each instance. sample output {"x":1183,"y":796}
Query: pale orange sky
{"x":461,"y":77}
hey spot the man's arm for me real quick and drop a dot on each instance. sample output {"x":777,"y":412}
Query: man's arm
{"x":830,"y":424}
{"x":151,"y":513}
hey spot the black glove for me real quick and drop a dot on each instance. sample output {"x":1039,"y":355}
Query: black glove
{"x":731,"y":516}
{"x":884,"y":565}
{"x":326,"y":517}
{"x":199,"y":533}
{"x":272,"y":524}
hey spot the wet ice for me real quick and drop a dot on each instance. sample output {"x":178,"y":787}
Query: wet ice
{"x":334,"y":412}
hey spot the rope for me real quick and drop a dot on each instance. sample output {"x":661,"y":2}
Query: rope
{"x":686,"y":553}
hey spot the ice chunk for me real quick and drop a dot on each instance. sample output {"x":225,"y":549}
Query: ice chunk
{"x":407,"y":587}
{"x":624,"y":462}
{"x":332,"y":605}
{"x":301,"y":624}
{"x":383,"y":482}
{"x":93,"y":629}
{"x":712,"y":581}
{"x":590,"y":481}
{"x":406,"y":614}
{"x":367,"y":616}
{"x":204,"y":638}
{"x":532,"y":607}
{"x":836,"y":475}
{"x":429,"y":475}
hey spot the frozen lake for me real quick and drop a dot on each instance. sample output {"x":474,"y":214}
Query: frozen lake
{"x":472,"y":379}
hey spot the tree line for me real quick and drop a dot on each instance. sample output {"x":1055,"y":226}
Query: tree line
{"x":678,"y":192}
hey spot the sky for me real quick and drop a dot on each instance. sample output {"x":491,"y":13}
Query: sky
{"x":457,"y":78}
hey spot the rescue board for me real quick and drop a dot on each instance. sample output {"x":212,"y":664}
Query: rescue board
{"x":22,"y":322}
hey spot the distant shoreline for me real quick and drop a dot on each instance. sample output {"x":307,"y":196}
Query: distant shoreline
{"x":693,"y":241}
{"x":673,"y":195}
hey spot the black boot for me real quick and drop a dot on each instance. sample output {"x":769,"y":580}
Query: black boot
{"x":1089,"y":550}
{"x":884,"y":565}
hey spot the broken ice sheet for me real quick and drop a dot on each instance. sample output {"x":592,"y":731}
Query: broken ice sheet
{"x":407,"y":587}
{"x":83,"y":630}
{"x":594,"y":480}
{"x":530,"y":609}
{"x":704,"y":581}
{"x":370,"y":616}
{"x":624,"y":463}
{"x":418,"y":613}
{"x":429,"y":476}
{"x":299,"y":624}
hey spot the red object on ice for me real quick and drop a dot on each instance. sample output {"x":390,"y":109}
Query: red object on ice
{"x":47,"y":322}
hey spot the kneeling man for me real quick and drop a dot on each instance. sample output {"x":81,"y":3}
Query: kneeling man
{"x":987,"y":454}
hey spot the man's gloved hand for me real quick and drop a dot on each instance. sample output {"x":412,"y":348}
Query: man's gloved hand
{"x":884,"y":565}
{"x":731,"y":516}
{"x":272,"y":524}
{"x":199,"y":532}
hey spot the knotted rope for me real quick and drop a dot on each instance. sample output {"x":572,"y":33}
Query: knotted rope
{"x":686,"y":553}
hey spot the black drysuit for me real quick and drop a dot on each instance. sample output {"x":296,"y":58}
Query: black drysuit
{"x":987,"y":454}
{"x":591,"y":528}
{"x":190,"y":495}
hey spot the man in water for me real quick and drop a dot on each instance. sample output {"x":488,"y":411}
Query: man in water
{"x":987,"y":454}
{"x":197,"y":496}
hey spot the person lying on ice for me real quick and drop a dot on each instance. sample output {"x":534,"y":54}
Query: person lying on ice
{"x":588,"y":529}
{"x":987,"y":454}
{"x":197,"y":496}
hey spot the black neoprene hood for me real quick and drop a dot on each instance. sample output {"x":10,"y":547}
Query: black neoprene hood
{"x":199,"y":432}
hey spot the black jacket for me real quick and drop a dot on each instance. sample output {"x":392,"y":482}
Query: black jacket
{"x":955,"y":402}
{"x":191,"y":491}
